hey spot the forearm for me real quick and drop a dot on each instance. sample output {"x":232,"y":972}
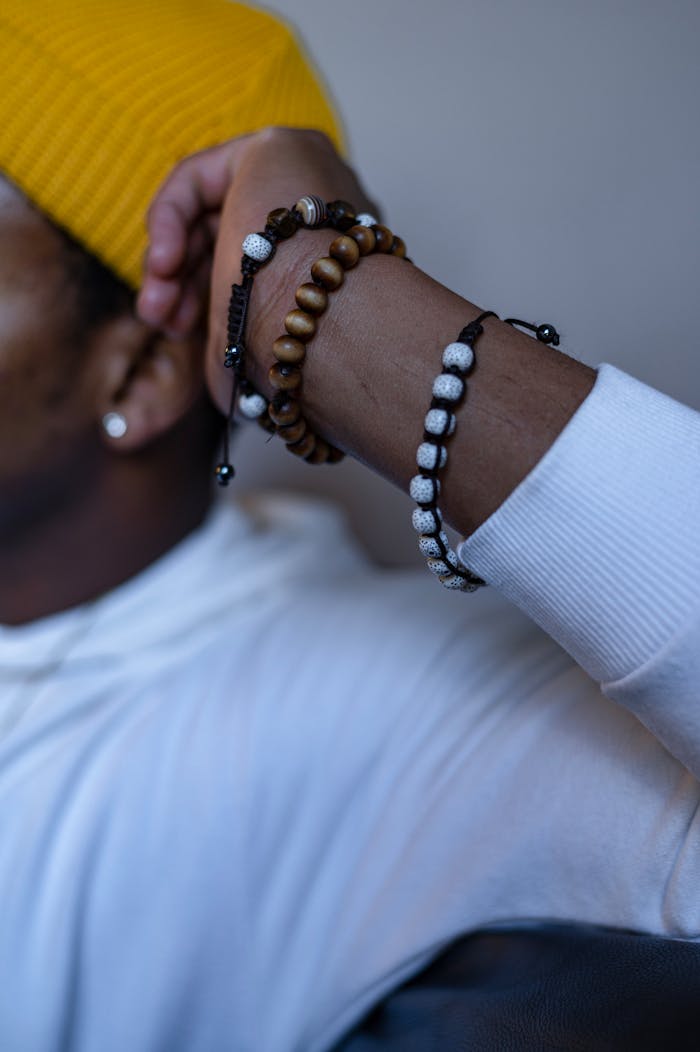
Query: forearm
{"x":369,"y":370}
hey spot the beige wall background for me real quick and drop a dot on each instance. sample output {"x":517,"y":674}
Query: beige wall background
{"x":541,"y":158}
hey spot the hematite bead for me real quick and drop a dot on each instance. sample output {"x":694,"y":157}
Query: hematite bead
{"x":224,"y":473}
{"x":384,"y":236}
{"x":286,"y":412}
{"x":284,"y":377}
{"x":312,"y":210}
{"x":311,"y":298}
{"x":282,"y":222}
{"x":345,"y":249}
{"x":364,"y":238}
{"x":300,"y":325}
{"x":293,"y":432}
{"x":288,"y":350}
{"x":304,"y":447}
{"x":233,"y":356}
{"x":328,"y":273}
{"x":547,"y":334}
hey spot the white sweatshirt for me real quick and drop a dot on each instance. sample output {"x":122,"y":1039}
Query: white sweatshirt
{"x":250,"y":791}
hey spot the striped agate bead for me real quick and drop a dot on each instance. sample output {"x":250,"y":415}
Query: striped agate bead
{"x":312,"y":210}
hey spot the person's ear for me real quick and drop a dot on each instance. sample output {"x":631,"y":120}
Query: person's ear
{"x":146,"y":382}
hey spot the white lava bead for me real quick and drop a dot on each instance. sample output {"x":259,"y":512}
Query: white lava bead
{"x":459,"y":355}
{"x":449,"y":387}
{"x":424,"y":490}
{"x":456,"y":582}
{"x":426,"y":521}
{"x":366,"y":219}
{"x":437,"y":419}
{"x":257,"y":247}
{"x":252,"y":406}
{"x":430,"y":456}
{"x":430,"y":548}
{"x":439,"y":567}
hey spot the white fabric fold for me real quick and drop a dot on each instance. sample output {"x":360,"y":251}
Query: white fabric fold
{"x":600,"y":544}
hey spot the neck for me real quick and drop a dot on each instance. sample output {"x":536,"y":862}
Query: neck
{"x":133,"y":515}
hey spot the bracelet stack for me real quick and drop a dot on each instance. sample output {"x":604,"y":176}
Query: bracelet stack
{"x":357,"y":235}
{"x":258,"y":250}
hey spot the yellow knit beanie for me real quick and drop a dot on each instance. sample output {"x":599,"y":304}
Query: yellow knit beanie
{"x":100,"y":98}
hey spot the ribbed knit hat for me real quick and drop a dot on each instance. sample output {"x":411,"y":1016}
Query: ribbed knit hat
{"x":100,"y":98}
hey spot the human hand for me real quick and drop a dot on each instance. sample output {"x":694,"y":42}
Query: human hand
{"x":203,"y":211}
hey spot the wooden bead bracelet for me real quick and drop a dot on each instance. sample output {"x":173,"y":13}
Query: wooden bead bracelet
{"x":363,"y":236}
{"x":258,"y":250}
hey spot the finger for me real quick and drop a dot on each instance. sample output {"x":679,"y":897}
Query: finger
{"x":196,"y":185}
{"x":192,"y":305}
{"x":158,"y":299}
{"x":159,"y":295}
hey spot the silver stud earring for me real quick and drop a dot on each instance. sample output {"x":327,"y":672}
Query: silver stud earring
{"x":114,"y":424}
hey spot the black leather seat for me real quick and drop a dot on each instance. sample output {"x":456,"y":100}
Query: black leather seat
{"x":573,"y":988}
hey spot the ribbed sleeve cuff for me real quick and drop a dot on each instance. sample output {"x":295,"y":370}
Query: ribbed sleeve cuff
{"x":600,"y":544}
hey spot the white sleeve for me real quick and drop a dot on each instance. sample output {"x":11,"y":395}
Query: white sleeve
{"x":600,"y":545}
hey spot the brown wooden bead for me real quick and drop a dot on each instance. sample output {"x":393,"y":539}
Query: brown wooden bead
{"x":319,"y":454}
{"x":284,"y":411}
{"x":345,"y":250}
{"x":398,"y":248}
{"x":266,"y":424}
{"x":311,"y":298}
{"x":284,"y":377}
{"x":282,"y":222}
{"x":335,"y":455}
{"x":364,"y":238}
{"x":328,"y":272}
{"x":342,"y":214}
{"x":288,"y":350}
{"x":384,"y":236}
{"x":293,"y":432}
{"x":304,"y":446}
{"x":300,"y":325}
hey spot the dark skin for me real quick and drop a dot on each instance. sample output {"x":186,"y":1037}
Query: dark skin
{"x":71,"y":497}
{"x":80,"y":512}
{"x":369,"y":372}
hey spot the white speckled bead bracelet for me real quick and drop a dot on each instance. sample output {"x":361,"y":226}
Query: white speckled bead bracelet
{"x":449,"y":389}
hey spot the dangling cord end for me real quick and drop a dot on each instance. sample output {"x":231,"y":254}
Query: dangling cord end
{"x":544,"y":333}
{"x":225,"y":470}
